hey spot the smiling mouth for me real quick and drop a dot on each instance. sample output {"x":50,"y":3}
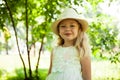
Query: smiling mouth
{"x":67,"y":34}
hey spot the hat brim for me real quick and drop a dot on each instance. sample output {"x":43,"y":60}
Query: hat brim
{"x":83,"y":22}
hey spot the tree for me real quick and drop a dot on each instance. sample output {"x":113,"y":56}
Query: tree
{"x":103,"y":33}
{"x":46,"y":12}
{"x":13,"y":25}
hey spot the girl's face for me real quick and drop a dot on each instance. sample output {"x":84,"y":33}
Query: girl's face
{"x":68,"y":29}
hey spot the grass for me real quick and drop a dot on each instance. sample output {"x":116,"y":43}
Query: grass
{"x":11,"y":68}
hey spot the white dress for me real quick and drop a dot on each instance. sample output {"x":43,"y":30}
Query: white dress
{"x":65,"y":64}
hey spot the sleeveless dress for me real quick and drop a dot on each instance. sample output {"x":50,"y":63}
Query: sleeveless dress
{"x":65,"y":64}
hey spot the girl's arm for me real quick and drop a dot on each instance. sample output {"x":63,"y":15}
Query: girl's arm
{"x":49,"y":71}
{"x":86,"y":67}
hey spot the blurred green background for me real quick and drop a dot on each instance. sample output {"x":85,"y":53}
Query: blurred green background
{"x":26,"y":38}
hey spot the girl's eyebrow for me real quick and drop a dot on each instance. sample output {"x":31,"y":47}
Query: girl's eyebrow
{"x":61,"y":24}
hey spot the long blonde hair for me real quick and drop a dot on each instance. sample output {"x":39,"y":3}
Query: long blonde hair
{"x":81,"y":43}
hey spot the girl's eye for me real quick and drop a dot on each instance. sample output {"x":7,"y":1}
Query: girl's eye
{"x":72,"y":26}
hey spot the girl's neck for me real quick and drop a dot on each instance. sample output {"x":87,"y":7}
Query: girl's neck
{"x":66,"y":44}
{"x":69,"y":43}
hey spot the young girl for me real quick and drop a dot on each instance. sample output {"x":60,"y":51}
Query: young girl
{"x":70,"y":60}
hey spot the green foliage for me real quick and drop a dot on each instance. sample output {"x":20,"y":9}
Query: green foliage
{"x":115,"y":57}
{"x":102,"y":32}
{"x":3,"y":15}
{"x":2,"y":72}
{"x":18,"y":74}
{"x":6,"y":33}
{"x":102,"y":37}
{"x":95,"y":3}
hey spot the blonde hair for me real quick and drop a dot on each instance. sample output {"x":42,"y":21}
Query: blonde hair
{"x":81,"y":43}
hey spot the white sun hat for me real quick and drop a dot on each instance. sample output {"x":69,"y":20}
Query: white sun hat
{"x":69,"y":13}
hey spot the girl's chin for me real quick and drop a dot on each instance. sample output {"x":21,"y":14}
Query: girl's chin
{"x":68,"y":39}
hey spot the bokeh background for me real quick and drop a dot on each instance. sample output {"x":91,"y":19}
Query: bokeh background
{"x":26,"y":39}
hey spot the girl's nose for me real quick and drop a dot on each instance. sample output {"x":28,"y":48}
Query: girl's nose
{"x":67,"y":28}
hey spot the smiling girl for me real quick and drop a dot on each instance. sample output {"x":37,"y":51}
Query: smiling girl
{"x":70,"y":60}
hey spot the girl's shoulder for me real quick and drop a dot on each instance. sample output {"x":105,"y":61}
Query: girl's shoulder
{"x":56,"y":48}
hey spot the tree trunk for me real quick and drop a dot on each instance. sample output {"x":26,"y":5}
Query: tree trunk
{"x":14,"y":28}
{"x":28,"y":50}
{"x":38,"y":60}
